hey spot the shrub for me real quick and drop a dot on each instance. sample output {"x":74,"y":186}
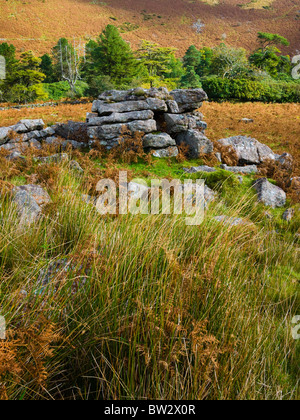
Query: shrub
{"x":60,"y":90}
{"x":251,"y":90}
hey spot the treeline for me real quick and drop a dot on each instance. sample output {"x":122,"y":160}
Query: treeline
{"x":226,"y":73}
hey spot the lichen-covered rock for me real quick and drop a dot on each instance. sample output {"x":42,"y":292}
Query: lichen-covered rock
{"x":288,"y":214}
{"x":152,"y":104}
{"x":246,"y":170}
{"x":4,"y":134}
{"x":177,"y":123}
{"x":134,"y":94}
{"x":285,"y":160}
{"x":196,"y":169}
{"x":117,"y":117}
{"x":189,"y":99}
{"x":74,"y":165}
{"x":72,"y":130}
{"x":208,"y":197}
{"x":137,"y":191}
{"x":113,"y":131}
{"x":249,"y":151}
{"x":166,"y":153}
{"x":158,"y":141}
{"x":30,"y":125}
{"x":233,"y":221}
{"x":198,"y":143}
{"x":57,"y":158}
{"x":173,"y":107}
{"x":269,"y":194}
{"x":29,"y":200}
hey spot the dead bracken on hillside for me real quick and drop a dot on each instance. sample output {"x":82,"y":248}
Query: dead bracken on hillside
{"x":168,"y":22}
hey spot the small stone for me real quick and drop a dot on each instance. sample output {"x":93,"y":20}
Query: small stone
{"x":158,"y":141}
{"x":246,"y":170}
{"x":288,"y":214}
{"x":75,"y":166}
{"x":269,"y":194}
{"x":233,"y":221}
{"x":166,"y":153}
{"x":195,"y":169}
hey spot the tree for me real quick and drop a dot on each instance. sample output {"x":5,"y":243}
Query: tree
{"x":157,"y":60}
{"x":113,"y":57}
{"x":206,"y":57}
{"x":47,"y":68}
{"x":192,"y":57}
{"x":190,"y":79}
{"x":268,"y":57}
{"x":228,"y":62}
{"x":24,"y":79}
{"x":67,"y":63}
{"x":9,"y":53}
{"x":267,"y":40}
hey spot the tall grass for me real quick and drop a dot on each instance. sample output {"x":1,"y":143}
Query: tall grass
{"x":148,"y":307}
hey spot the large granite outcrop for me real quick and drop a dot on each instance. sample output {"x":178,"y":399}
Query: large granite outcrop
{"x":167,"y":119}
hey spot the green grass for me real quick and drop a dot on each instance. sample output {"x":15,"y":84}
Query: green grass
{"x":149,"y":308}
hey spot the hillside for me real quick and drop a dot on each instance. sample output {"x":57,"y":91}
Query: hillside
{"x":37,"y":24}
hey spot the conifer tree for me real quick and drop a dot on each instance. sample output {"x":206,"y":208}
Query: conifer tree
{"x":113,"y":57}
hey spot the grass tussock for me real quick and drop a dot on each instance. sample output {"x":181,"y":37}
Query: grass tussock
{"x":135,"y":307}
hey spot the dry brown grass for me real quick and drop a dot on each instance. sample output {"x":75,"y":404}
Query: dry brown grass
{"x":276,"y":125}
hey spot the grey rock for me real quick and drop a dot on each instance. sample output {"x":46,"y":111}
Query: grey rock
{"x":57,"y":158}
{"x":189,"y":99}
{"x":134,"y":94}
{"x":173,"y":107}
{"x":249,"y":150}
{"x":40,"y":196}
{"x":158,"y":141}
{"x":74,"y":165}
{"x":177,"y":123}
{"x":14,"y":156}
{"x":121,"y":117}
{"x":240,"y":179}
{"x":56,"y":272}
{"x":32,"y":125}
{"x":72,"y":130}
{"x":52,"y":141}
{"x":285,"y":159}
{"x":113,"y":131}
{"x":89,"y":199}
{"x":136,"y":190}
{"x":219,"y":156}
{"x":166,"y":153}
{"x":4,"y":134}
{"x":288,"y":214}
{"x":209,"y":195}
{"x":233,"y":221}
{"x":195,"y":169}
{"x":28,"y":209}
{"x":246,"y":170}
{"x":197,"y":142}
{"x":105,"y":109}
{"x":64,"y":144}
{"x":29,"y":200}
{"x":247,"y":120}
{"x":269,"y":194}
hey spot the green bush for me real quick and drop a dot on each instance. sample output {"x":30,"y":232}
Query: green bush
{"x":251,"y":90}
{"x":60,"y":90}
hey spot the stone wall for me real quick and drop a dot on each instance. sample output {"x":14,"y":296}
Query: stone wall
{"x":166,"y":120}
